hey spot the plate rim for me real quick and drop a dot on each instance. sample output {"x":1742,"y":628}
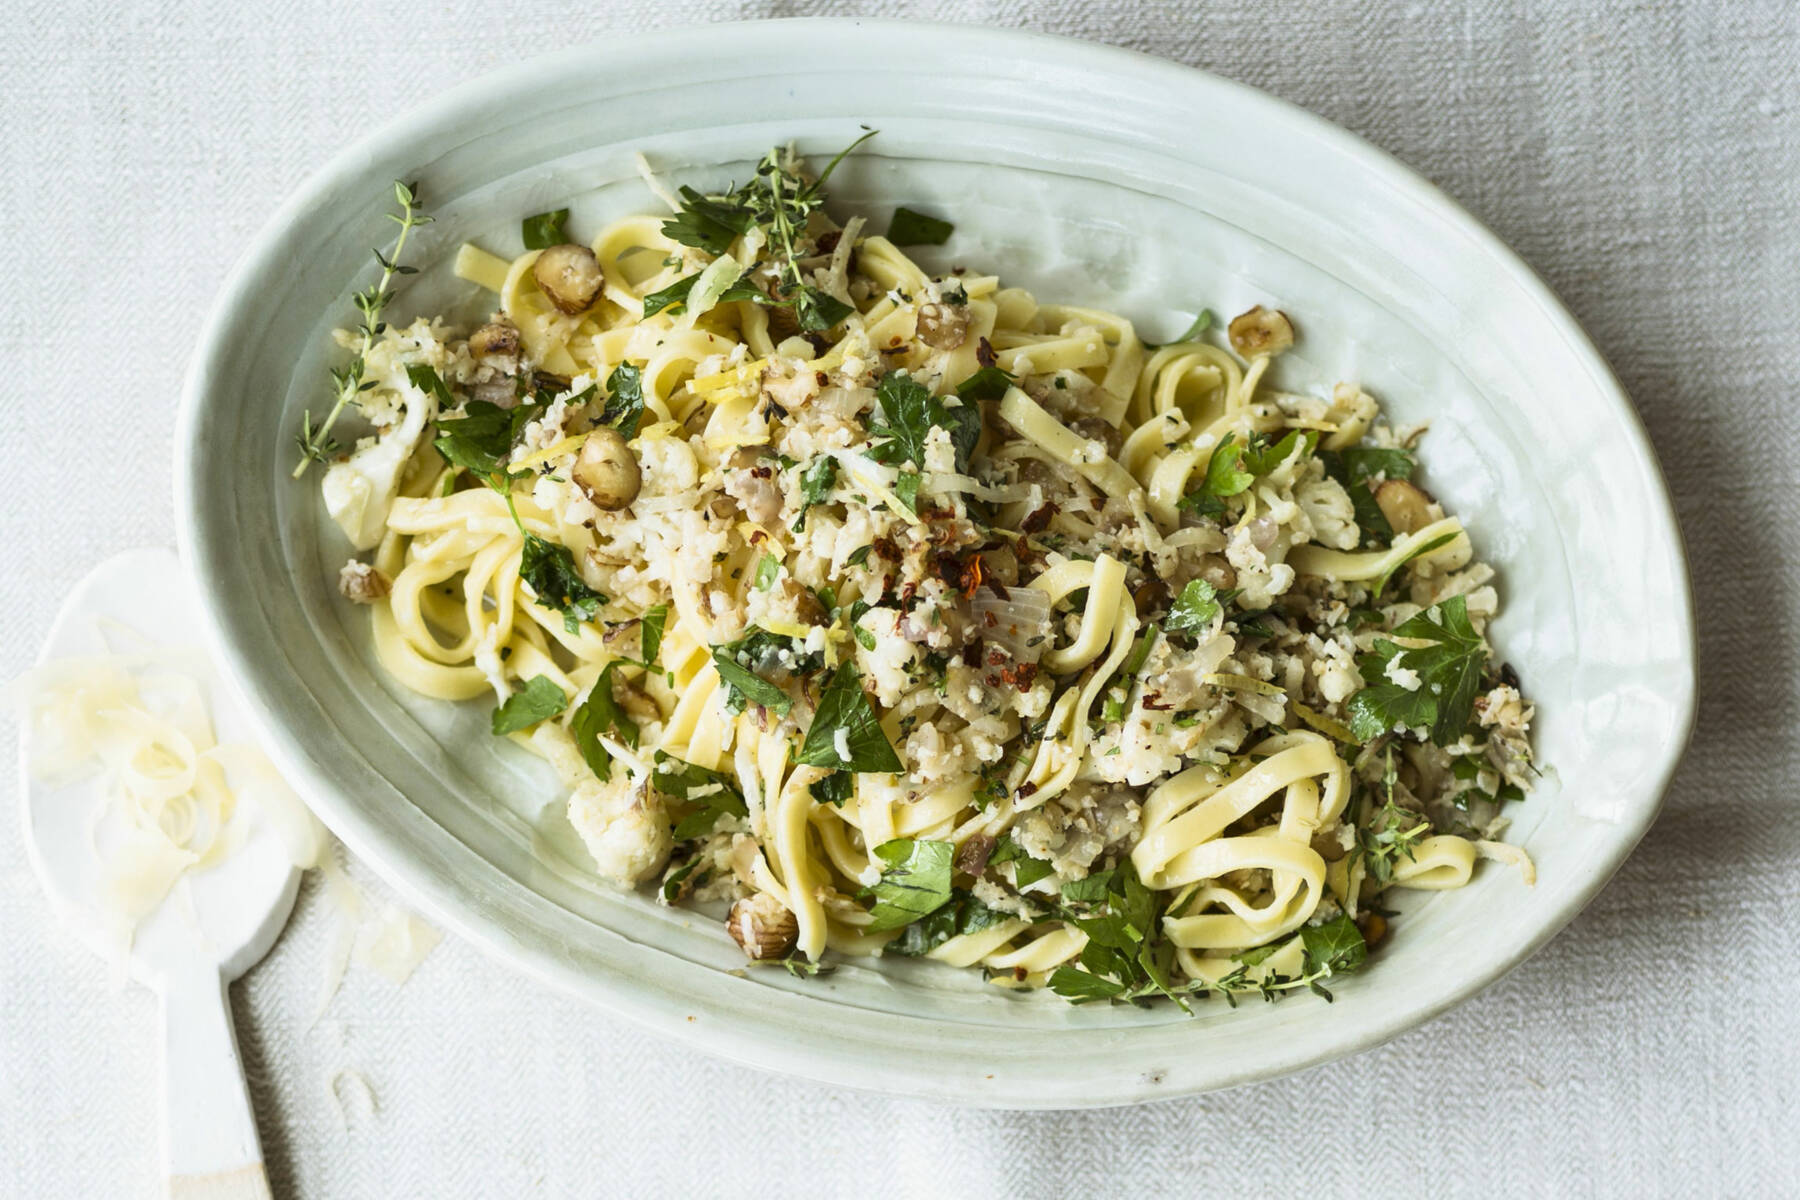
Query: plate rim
{"x":633,"y":999}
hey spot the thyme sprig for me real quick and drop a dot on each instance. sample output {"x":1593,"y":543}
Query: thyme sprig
{"x":1393,"y":832}
{"x":785,"y":207}
{"x":780,"y":202}
{"x":316,"y":443}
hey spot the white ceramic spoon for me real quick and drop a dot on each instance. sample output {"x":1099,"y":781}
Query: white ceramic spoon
{"x":188,"y":958}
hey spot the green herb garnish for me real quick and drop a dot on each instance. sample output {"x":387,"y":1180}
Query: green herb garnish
{"x":989,"y":383}
{"x":915,"y":882}
{"x":1026,"y":869}
{"x":348,"y":382}
{"x":548,"y":569}
{"x":815,"y":486}
{"x":545,"y":230}
{"x":713,"y":794}
{"x":1203,"y":320}
{"x":963,"y":914}
{"x":599,"y":714}
{"x":1194,"y":610}
{"x":909,"y":228}
{"x":843,"y":709}
{"x":834,"y":789}
{"x":624,"y":409}
{"x":1449,"y":667}
{"x":540,"y":699}
{"x":742,"y":684}
{"x":910,"y":412}
{"x":650,"y":631}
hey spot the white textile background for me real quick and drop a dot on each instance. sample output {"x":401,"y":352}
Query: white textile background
{"x":1644,"y":157}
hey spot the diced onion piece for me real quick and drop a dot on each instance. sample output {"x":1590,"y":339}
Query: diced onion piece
{"x":1243,"y":683}
{"x":1020,"y":622}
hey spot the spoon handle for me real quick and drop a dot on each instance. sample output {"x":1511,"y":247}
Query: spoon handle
{"x":210,"y":1151}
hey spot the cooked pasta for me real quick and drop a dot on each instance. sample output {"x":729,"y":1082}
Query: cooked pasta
{"x":902,"y":613}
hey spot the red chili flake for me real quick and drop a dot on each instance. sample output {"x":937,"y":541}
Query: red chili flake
{"x":971,"y":654}
{"x":971,"y":576}
{"x":885,"y":547}
{"x":1038,"y":518}
{"x":828,"y":240}
{"x":1021,"y":974}
{"x":1019,"y":675}
{"x":1154,"y":703}
{"x":822,"y":377}
{"x":991,"y":619}
{"x":984,"y":353}
{"x":996,"y":658}
{"x":761,"y":472}
{"x":1026,"y":791}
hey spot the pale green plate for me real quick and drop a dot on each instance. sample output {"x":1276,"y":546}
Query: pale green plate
{"x":1092,"y":176}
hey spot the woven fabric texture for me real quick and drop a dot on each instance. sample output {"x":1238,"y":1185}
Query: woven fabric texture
{"x":1645,"y":158}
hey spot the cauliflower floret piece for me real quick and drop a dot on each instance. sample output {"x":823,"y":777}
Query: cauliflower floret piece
{"x":360,"y":491}
{"x":1505,"y":709}
{"x":935,"y":757}
{"x":1335,"y":665}
{"x":891,"y":664}
{"x":751,"y":481}
{"x":623,"y":826}
{"x":1327,"y":506}
{"x":1261,"y":577}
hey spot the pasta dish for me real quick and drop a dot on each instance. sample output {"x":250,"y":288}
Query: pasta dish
{"x":885,"y":612}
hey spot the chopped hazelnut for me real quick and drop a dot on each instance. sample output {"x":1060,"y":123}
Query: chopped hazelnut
{"x":942,"y":326}
{"x":763,"y":927}
{"x":607,"y":471}
{"x":1406,"y":506}
{"x":569,"y":276}
{"x":1261,"y":331}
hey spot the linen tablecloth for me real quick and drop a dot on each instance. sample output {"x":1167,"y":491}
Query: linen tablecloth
{"x":1645,"y":158}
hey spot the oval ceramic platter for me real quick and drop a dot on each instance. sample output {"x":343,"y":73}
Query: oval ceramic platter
{"x":1092,"y":176}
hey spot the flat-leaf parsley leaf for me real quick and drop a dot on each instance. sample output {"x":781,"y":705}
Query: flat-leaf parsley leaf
{"x":1449,"y":667}
{"x":844,"y":732}
{"x":915,"y":882}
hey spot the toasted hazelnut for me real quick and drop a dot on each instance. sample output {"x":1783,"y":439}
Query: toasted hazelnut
{"x":1150,"y":595}
{"x":362,"y":584}
{"x":784,"y":322}
{"x":804,"y":601}
{"x":1099,"y":429}
{"x":1218,"y":572}
{"x":1406,"y":507}
{"x":1261,"y":331}
{"x":763,"y":927}
{"x":942,"y":326}
{"x":569,"y":276}
{"x":499,"y":338}
{"x":607,"y":471}
{"x":1373,"y":926}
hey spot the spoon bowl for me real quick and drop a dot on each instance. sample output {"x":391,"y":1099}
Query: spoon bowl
{"x":211,"y":928}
